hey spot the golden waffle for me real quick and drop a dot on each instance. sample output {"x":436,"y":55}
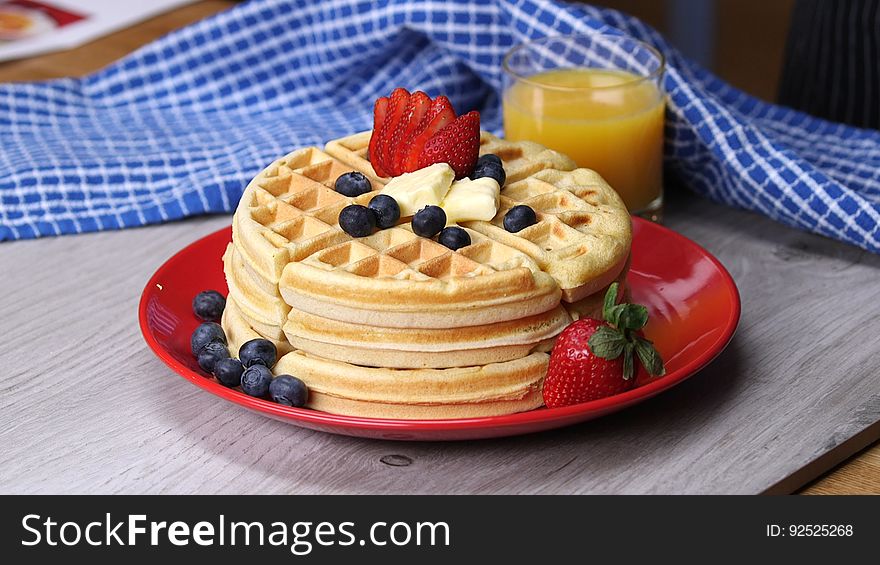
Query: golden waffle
{"x":283,"y":216}
{"x":523,"y":158}
{"x":238,"y":330}
{"x":583,"y":234}
{"x":418,"y":348}
{"x":289,"y":211}
{"x":496,"y":388}
{"x":342,"y":388}
{"x":260,"y":309}
{"x":395,"y":278}
{"x":395,"y":325}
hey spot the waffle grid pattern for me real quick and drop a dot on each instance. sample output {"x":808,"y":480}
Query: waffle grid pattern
{"x":398,"y":253}
{"x":578,"y":213}
{"x":293,"y":206}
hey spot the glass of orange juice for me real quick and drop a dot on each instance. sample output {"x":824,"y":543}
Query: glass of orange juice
{"x":598,"y":99}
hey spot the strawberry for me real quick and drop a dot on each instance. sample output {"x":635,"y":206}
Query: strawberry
{"x":440,"y":114}
{"x":380,"y":111}
{"x":397,"y":103}
{"x":419,"y":104}
{"x":411,"y":131}
{"x":593,"y":358}
{"x":457,"y":144}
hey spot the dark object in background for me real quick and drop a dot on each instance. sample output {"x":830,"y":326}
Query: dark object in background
{"x":832,"y":61}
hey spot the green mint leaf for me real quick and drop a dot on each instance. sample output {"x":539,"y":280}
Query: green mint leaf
{"x":610,"y":300}
{"x":633,"y":317}
{"x":628,"y":361}
{"x":649,"y":357}
{"x":613,"y":314}
{"x":606,"y":343}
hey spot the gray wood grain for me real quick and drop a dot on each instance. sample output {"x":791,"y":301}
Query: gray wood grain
{"x":86,"y":408}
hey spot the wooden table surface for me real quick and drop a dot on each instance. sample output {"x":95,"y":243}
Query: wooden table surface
{"x":87,"y":408}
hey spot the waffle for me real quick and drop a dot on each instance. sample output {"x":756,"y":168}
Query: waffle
{"x":583,"y":234}
{"x":395,"y":278}
{"x":496,"y":388}
{"x":289,"y":211}
{"x":591,"y":306}
{"x":424,"y":348}
{"x":238,"y":330}
{"x":396,"y":325}
{"x":342,"y":388}
{"x":523,"y":158}
{"x":286,"y":213}
{"x":262,"y":310}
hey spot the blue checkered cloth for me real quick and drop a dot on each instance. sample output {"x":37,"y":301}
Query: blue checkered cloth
{"x":179,"y":127}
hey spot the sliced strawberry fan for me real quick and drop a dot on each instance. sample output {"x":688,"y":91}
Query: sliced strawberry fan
{"x":412,"y":120}
{"x":439,"y":116}
{"x":412,"y":131}
{"x":457,"y":144}
{"x":380,"y":110}
{"x":397,"y":103}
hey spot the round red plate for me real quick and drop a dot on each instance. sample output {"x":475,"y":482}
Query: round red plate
{"x":693,"y":302}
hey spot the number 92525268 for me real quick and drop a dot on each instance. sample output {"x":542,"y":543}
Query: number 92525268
{"x":809,"y":530}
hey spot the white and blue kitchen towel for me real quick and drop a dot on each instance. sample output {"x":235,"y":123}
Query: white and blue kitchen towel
{"x":179,"y":127}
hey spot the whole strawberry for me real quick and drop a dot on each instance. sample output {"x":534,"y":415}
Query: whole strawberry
{"x":593,"y":358}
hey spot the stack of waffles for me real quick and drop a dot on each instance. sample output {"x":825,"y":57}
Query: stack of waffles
{"x":395,"y":325}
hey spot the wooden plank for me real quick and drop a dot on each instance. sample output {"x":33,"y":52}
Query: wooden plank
{"x":860,"y":475}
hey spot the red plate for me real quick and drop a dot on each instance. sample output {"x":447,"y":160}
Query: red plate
{"x":693,"y":302}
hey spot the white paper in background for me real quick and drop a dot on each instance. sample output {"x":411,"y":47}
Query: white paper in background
{"x":33,"y":27}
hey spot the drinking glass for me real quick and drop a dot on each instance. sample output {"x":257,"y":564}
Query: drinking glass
{"x":599,"y":99}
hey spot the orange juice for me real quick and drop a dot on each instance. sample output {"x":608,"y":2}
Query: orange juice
{"x":607,"y":120}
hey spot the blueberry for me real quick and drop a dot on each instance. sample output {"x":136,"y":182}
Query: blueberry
{"x":255,"y":380}
{"x":386,"y":209}
{"x":210,"y":354}
{"x":258,"y":351}
{"x":489,"y":158}
{"x":228,"y":371}
{"x":429,"y":221}
{"x":357,"y":220}
{"x":519,"y":218}
{"x":490,"y":166}
{"x":289,"y":391}
{"x":208,"y":305}
{"x":353,"y":184}
{"x":454,"y":238}
{"x":205,"y":334}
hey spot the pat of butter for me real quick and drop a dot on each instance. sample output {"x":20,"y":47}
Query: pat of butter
{"x":471,"y":200}
{"x":413,"y":191}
